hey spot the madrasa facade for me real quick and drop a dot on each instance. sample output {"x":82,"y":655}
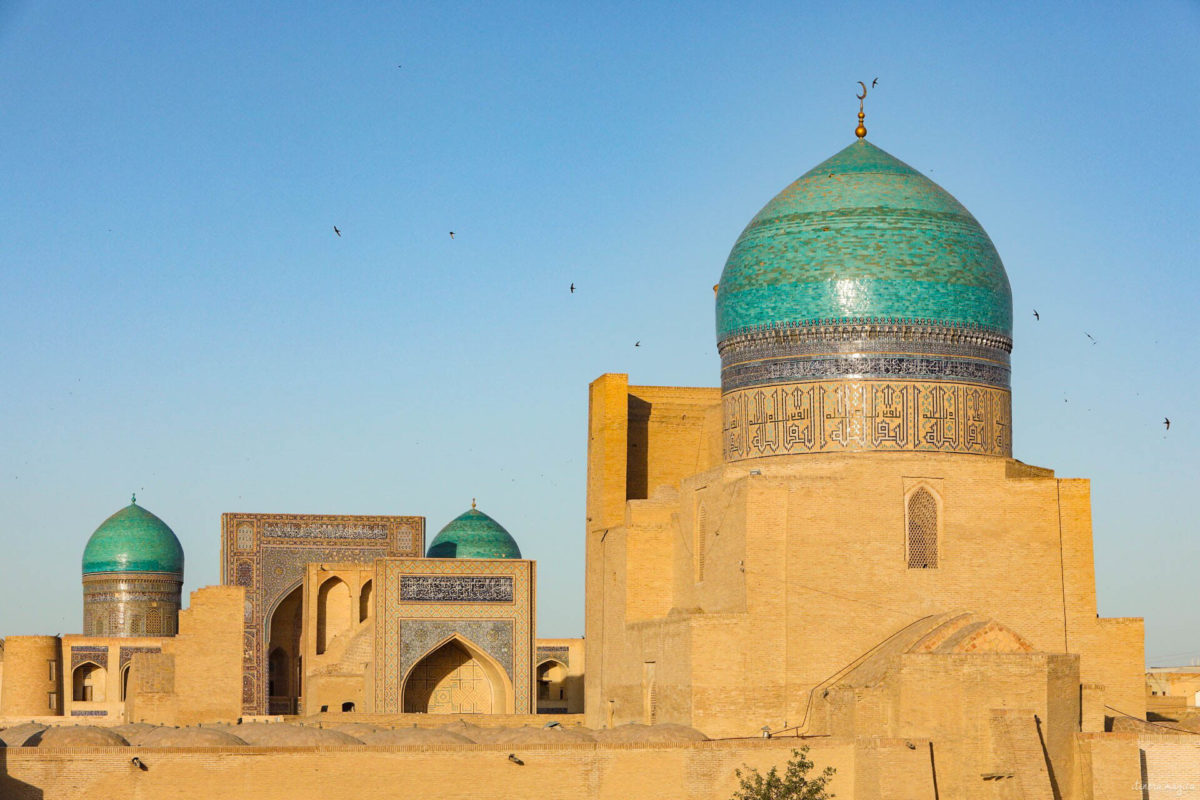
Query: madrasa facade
{"x":833,"y":548}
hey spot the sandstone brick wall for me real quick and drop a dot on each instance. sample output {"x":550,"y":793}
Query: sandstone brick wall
{"x":28,"y":684}
{"x":1170,"y":766}
{"x":700,"y":771}
{"x":198,"y":676}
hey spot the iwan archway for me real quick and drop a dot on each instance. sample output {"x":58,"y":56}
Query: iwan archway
{"x":456,"y":677}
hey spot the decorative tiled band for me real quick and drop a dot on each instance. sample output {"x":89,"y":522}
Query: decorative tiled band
{"x":457,"y":588}
{"x":863,"y":416}
{"x":855,"y":328}
{"x":860,"y":350}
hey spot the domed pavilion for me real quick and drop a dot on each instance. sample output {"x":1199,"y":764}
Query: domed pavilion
{"x":864,"y":309}
{"x":132,"y":576}
{"x":473,"y":534}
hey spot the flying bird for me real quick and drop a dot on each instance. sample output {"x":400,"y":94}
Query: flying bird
{"x":335,"y":230}
{"x":638,"y":343}
{"x":1167,"y":422}
{"x":1093,"y":338}
{"x":137,"y":762}
{"x":874,"y":82}
{"x":1036,"y":315}
{"x":513,"y":758}
{"x":451,"y":234}
{"x":572,"y":288}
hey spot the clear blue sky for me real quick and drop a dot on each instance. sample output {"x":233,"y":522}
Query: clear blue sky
{"x":178,"y":317}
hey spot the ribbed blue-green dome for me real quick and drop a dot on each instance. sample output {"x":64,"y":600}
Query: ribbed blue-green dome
{"x":473,"y":534}
{"x":863,"y":236}
{"x":133,"y":540}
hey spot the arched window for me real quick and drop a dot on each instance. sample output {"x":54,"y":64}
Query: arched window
{"x":125,"y":683}
{"x":154,"y":622}
{"x":347,"y":706}
{"x":922,"y":516}
{"x":364,"y":602}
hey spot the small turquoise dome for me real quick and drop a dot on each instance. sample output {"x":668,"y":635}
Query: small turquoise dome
{"x":473,"y":534}
{"x":133,"y":540}
{"x":863,"y":237}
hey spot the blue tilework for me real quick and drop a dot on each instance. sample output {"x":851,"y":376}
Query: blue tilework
{"x":473,"y":534}
{"x":863,"y":236}
{"x":133,"y":540}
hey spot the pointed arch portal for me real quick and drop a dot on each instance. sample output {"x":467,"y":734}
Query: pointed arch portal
{"x":456,"y":678}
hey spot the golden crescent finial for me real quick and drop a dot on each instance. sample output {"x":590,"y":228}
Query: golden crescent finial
{"x":861,"y":130}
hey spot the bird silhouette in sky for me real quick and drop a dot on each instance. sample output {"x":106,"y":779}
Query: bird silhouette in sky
{"x":572,"y":288}
{"x":1036,"y":315}
{"x":1093,"y":338}
{"x":451,"y":234}
{"x":874,"y":82}
{"x":638,"y":343}
{"x":335,"y":230}
{"x":1167,"y":422}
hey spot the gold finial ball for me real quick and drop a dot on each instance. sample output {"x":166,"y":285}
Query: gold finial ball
{"x":861,"y":130}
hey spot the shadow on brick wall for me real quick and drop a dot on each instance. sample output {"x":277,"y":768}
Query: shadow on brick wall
{"x":13,"y":789}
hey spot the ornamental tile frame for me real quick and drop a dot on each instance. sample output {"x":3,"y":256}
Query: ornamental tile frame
{"x":474,"y":607}
{"x":267,"y":554}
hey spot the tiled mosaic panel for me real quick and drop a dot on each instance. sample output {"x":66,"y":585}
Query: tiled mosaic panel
{"x":127,"y":653}
{"x":844,"y":416}
{"x":419,"y":637}
{"x":391,"y":612}
{"x":143,"y":605}
{"x":556,"y":652}
{"x":291,"y":529}
{"x":457,"y":588}
{"x":267,"y":553}
{"x":81,"y":654}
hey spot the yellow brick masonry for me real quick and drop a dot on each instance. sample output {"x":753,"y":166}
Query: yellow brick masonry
{"x":198,"y":676}
{"x":875,"y":769}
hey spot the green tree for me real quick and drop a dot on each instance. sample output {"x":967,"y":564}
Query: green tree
{"x":794,"y":784}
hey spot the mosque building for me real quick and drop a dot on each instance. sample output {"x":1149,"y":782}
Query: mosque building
{"x":838,"y":540}
{"x":836,"y":543}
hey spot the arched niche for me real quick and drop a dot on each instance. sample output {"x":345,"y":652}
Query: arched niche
{"x":333,"y":611}
{"x":284,"y":627}
{"x":551,"y":676}
{"x":457,"y":677}
{"x":88,"y":682}
{"x":364,"y":602}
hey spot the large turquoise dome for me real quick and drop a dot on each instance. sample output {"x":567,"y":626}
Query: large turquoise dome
{"x":133,"y":540}
{"x":473,"y":534}
{"x":863,"y":237}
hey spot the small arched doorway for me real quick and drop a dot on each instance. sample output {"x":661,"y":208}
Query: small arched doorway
{"x":125,"y":683}
{"x":87,"y":683}
{"x":551,"y":682}
{"x":456,"y":678}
